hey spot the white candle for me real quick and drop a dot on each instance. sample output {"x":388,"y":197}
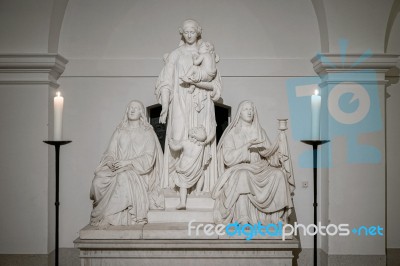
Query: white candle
{"x":315,"y":114}
{"x":58,"y":110}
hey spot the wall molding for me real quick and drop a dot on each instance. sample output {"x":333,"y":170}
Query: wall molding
{"x":54,"y":65}
{"x":327,"y":63}
{"x":151,"y":67}
{"x":31,"y":69}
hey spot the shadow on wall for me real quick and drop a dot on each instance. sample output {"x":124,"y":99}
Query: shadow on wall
{"x":392,"y":17}
{"x":393,"y":78}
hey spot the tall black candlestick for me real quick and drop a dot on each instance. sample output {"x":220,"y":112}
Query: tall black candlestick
{"x":57,"y":145}
{"x":315,"y":144}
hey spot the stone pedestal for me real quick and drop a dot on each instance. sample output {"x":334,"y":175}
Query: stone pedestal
{"x":170,"y":244}
{"x":199,"y":208}
{"x":166,"y":240}
{"x":185,"y":252}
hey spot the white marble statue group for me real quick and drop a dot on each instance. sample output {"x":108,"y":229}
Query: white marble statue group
{"x":249,"y":178}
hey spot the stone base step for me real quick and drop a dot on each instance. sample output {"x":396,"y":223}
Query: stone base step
{"x":169,"y":231}
{"x":183,"y":252}
{"x":191,"y":203}
{"x":203,"y":201}
{"x":180,"y":216}
{"x":175,"y":231}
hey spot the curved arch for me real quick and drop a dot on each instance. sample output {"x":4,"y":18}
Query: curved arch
{"x":109,"y":31}
{"x":320,"y":12}
{"x":56,"y":20}
{"x":392,"y":17}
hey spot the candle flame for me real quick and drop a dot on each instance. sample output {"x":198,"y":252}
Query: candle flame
{"x":58,"y":94}
{"x":316,"y":92}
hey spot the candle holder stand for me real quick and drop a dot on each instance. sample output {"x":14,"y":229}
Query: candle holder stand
{"x":57,"y":145}
{"x":315,"y":144}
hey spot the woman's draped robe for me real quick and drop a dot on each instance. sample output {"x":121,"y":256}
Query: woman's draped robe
{"x":124,"y":197}
{"x":253,"y":188}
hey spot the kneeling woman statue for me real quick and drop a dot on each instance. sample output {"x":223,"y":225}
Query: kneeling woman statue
{"x":255,"y":178}
{"x":127,"y":181}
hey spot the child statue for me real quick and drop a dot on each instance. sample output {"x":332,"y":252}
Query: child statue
{"x":190,"y":166}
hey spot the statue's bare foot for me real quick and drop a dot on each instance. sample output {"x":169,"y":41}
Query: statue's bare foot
{"x":181,"y":207}
{"x":103,"y":225}
{"x":243,"y":220}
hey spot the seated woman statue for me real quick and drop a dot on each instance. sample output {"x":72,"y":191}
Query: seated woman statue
{"x":255,"y":178}
{"x":127,"y":181}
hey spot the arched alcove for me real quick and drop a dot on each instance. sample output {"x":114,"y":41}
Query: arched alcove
{"x":392,"y":34}
{"x":115,"y":52}
{"x":147,"y":29}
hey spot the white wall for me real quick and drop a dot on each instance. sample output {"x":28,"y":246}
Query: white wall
{"x":24,"y":26}
{"x":393,"y":169}
{"x":362,"y":23}
{"x":392,"y":140}
{"x":147,"y":29}
{"x":357,"y":192}
{"x":23,"y":160}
